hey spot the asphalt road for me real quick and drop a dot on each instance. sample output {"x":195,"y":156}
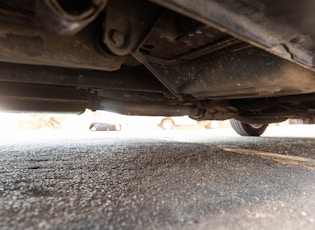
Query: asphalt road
{"x":196,"y":179}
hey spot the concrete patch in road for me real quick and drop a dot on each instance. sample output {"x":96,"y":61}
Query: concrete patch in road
{"x":283,"y":159}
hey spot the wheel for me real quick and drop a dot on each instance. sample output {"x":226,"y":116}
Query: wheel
{"x":92,"y":127}
{"x":244,"y":129}
{"x":118,"y":127}
{"x":167,"y":124}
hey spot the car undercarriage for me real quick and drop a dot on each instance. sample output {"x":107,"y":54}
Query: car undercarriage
{"x":251,"y":60}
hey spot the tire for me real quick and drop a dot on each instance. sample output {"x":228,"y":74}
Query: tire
{"x":117,"y":127}
{"x":167,"y":124}
{"x":92,"y":127}
{"x":244,"y":129}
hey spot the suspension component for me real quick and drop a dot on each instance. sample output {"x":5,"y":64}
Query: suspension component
{"x":67,"y":17}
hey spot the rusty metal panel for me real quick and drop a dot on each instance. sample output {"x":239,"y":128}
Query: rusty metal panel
{"x":239,"y":72}
{"x":285,"y":28}
{"x":22,"y":40}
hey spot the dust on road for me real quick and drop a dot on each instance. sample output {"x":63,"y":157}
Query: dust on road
{"x":122,"y":181}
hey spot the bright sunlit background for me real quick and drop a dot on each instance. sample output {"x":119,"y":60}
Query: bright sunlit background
{"x":16,"y":125}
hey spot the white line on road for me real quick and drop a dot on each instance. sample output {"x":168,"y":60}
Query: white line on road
{"x":283,"y":159}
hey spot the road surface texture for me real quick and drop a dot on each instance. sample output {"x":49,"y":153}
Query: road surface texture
{"x":196,"y":179}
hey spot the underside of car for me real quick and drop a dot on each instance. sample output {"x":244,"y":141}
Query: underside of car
{"x":250,"y":60}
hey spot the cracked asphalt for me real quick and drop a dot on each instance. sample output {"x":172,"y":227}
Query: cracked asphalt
{"x":160,"y":180}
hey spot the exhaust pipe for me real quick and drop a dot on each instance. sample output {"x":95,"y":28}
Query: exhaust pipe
{"x":146,"y":109}
{"x":68,"y":17}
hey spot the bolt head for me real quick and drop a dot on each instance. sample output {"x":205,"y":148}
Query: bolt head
{"x":117,"y":38}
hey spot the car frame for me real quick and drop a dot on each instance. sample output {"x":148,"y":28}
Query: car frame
{"x":251,"y":61}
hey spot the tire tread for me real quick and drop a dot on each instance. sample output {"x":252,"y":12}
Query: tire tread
{"x":244,"y":129}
